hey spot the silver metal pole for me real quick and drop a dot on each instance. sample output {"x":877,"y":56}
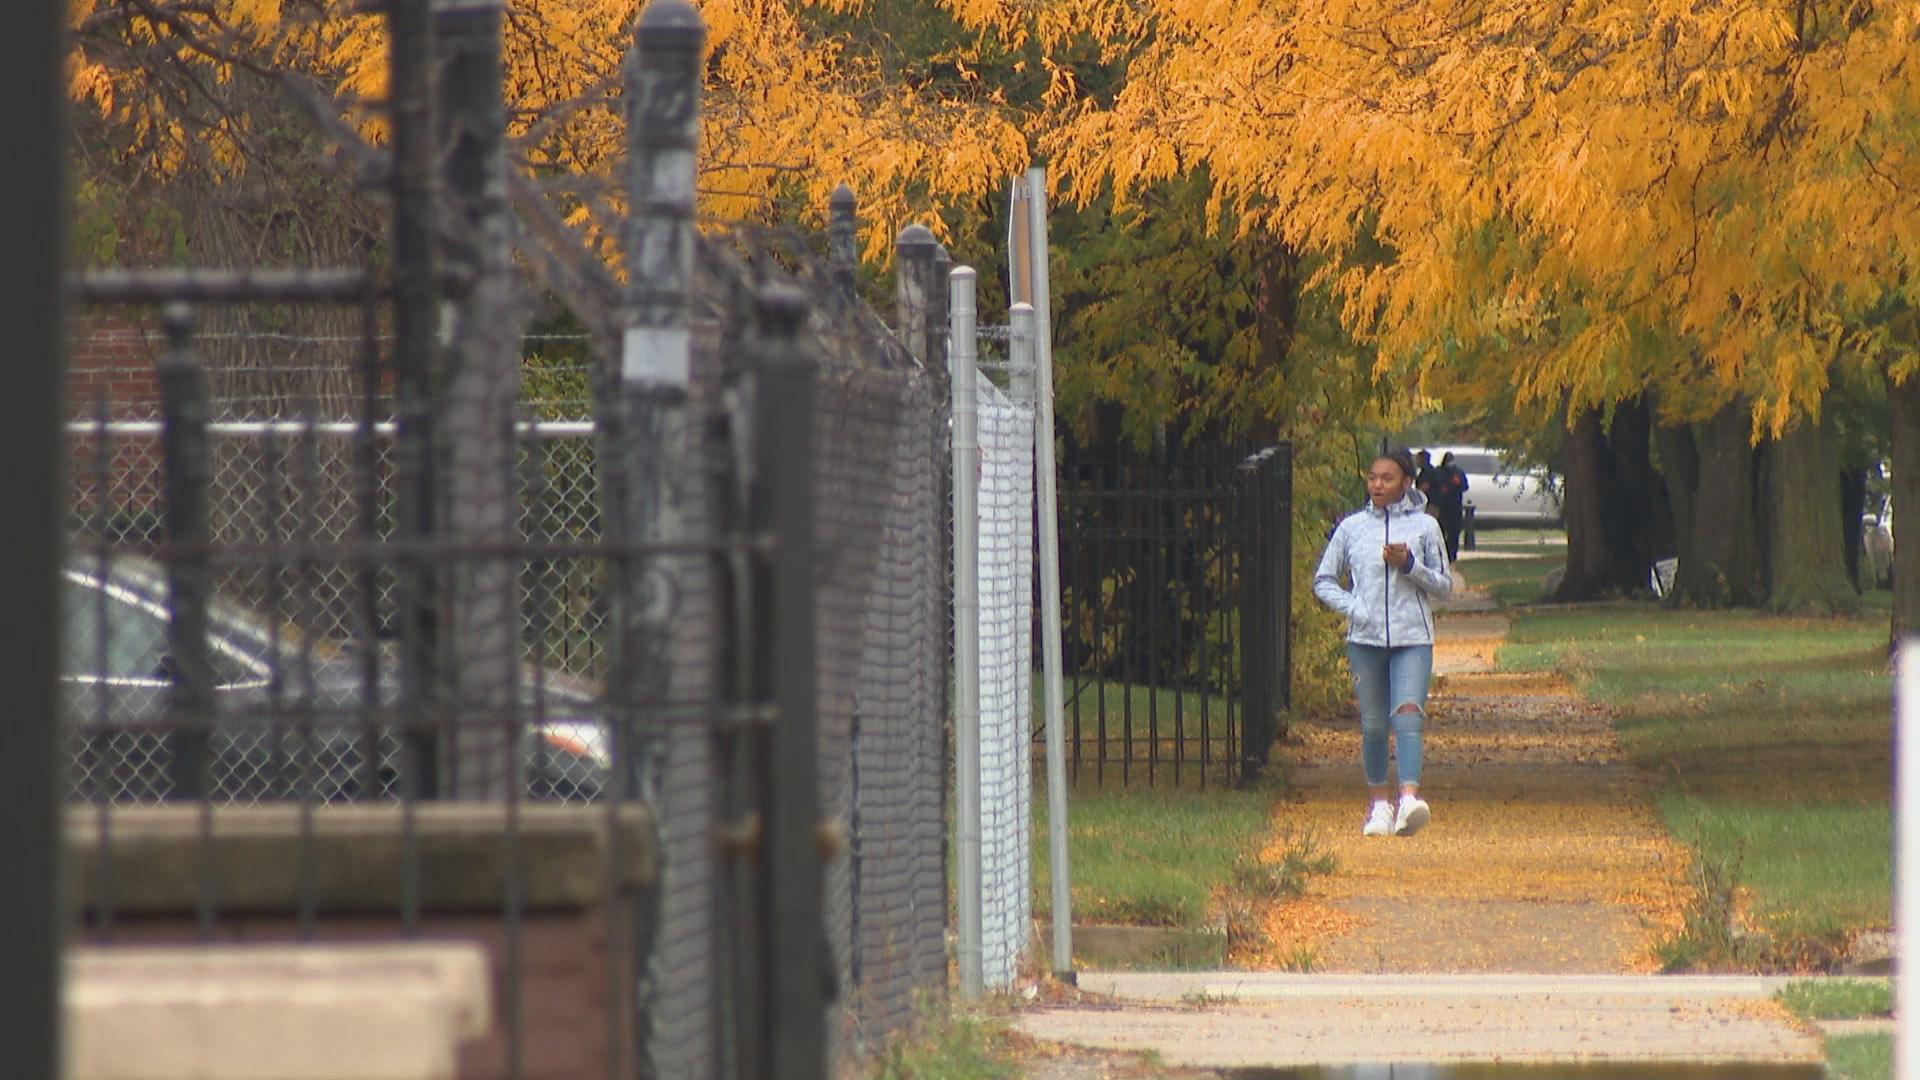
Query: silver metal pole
{"x":1023,"y":378}
{"x":1906,"y":826}
{"x":966,"y":630}
{"x":1049,"y":506}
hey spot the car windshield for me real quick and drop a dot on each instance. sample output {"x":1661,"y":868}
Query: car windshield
{"x":116,"y":634}
{"x":1477,"y":464}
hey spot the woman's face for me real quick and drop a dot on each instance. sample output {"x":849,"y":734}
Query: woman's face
{"x":1386,"y":484}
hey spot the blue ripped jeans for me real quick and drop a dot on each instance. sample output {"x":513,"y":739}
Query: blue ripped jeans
{"x":1384,"y":680}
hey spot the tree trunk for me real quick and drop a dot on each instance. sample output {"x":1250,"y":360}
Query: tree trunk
{"x":1904,"y":402}
{"x":1720,"y":566}
{"x":1853,"y":506}
{"x":1806,"y":564}
{"x":1680,"y":465}
{"x":1644,"y":530}
{"x":1583,"y":459}
{"x":1599,"y":525}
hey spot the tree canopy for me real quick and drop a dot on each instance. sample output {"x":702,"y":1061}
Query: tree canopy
{"x":791,"y":111}
{"x":1703,"y":213}
{"x":1714,"y":199}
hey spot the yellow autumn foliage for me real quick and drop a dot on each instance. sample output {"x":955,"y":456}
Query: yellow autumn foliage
{"x":1708,"y":197}
{"x":789,"y":114}
{"x":1705,"y":196}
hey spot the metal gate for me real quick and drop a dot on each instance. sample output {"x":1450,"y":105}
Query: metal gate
{"x":1175,"y":574}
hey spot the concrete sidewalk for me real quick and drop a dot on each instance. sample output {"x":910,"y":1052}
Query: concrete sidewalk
{"x":1182,"y":987}
{"x":1227,"y":1019}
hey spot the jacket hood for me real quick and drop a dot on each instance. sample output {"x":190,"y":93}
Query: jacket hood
{"x":1413,"y":502}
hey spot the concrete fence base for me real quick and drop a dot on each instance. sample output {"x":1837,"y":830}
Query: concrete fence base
{"x":332,"y":1012}
{"x":354,"y":994}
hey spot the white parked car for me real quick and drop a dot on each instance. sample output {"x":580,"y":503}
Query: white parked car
{"x":1503,"y":495}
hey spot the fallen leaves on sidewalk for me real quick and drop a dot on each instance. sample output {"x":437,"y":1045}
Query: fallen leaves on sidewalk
{"x":1533,"y":804}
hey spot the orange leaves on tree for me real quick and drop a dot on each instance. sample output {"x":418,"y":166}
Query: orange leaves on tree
{"x":789,"y":114}
{"x":1560,"y":185}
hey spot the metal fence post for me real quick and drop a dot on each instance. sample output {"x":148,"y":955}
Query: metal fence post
{"x":966,"y":638}
{"x":410,"y":59}
{"x":1256,"y":701}
{"x":656,"y":370}
{"x":939,"y":299}
{"x":1906,"y":833}
{"x":1265,"y":589}
{"x":914,"y":286}
{"x":1024,"y":361}
{"x":843,"y":260}
{"x":1021,"y":376}
{"x":656,"y":357}
{"x":35,"y":917}
{"x":797,"y":961}
{"x":483,"y":385}
{"x":189,"y":578}
{"x":1283,"y":562}
{"x":1047,"y":498}
{"x":842,"y":226}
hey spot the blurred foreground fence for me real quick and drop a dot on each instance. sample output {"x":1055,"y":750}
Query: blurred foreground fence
{"x":650,"y":702}
{"x":270,"y":480}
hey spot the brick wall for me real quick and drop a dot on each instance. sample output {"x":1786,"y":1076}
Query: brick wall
{"x":112,"y":358}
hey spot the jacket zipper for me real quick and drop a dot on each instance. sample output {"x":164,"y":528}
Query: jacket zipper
{"x":1386,"y":592}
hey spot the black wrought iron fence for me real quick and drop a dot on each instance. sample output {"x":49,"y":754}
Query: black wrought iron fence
{"x":1174,"y":566}
{"x":1265,"y":484}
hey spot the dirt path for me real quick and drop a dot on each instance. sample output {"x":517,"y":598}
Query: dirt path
{"x":1544,"y":853}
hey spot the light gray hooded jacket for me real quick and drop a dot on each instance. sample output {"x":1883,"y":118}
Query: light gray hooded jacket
{"x":1385,"y":606}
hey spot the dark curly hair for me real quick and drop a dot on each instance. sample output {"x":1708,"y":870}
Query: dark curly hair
{"x":1401,"y":457}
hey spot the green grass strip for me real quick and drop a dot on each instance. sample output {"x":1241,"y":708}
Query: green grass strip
{"x":1860,"y":1057}
{"x":1769,"y":739}
{"x":1837,"y":999}
{"x":950,"y":1044}
{"x":1150,"y":857}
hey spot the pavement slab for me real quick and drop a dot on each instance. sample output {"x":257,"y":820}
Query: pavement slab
{"x":1221,"y":1020}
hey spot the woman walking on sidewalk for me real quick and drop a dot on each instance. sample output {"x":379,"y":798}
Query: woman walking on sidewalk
{"x":1393,"y":553}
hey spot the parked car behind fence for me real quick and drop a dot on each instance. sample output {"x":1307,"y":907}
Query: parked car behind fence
{"x":292,"y":712}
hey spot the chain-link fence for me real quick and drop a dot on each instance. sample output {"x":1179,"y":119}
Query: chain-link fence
{"x":1006,"y":568}
{"x":323,"y":554}
{"x":311,"y":582}
{"x":994,"y":618}
{"x":273,"y":483}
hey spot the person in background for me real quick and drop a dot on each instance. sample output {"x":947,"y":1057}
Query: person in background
{"x":1449,"y":495}
{"x":1381,"y":569}
{"x":1423,"y":475}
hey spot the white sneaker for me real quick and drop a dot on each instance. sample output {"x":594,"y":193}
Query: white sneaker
{"x":1412,"y":816}
{"x":1380,"y":821}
